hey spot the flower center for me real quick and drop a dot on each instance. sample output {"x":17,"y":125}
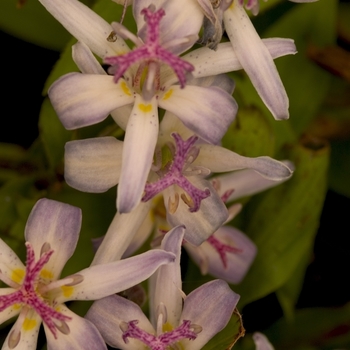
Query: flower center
{"x":174,"y":172}
{"x":148,"y":54}
{"x":31,"y":295}
{"x":164,"y":340}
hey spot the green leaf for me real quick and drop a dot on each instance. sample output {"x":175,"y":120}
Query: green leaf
{"x":31,"y":22}
{"x":306,"y":84}
{"x":250,"y":134}
{"x":283,"y":222}
{"x":53,"y":134}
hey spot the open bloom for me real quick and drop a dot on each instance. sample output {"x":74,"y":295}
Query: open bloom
{"x":204,"y":312}
{"x":37,"y":294}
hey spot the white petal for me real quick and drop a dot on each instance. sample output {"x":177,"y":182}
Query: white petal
{"x":121,"y":115}
{"x":93,"y":165}
{"x":209,"y":306}
{"x":59,"y":225}
{"x":201,"y":224}
{"x":256,"y":60}
{"x":107,"y":279}
{"x":86,"y":99}
{"x":139,"y":144}
{"x":206,"y":111}
{"x":86,"y":26}
{"x":261,"y":342}
{"x":82,"y":334}
{"x":10,"y":311}
{"x":219,"y":159}
{"x":237,"y":263}
{"x":85,"y":60}
{"x":107,"y":314}
{"x":246,"y":182}
{"x":9,"y":261}
{"x":168,"y":282}
{"x":119,"y":234}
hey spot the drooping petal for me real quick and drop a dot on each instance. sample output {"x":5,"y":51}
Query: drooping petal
{"x":238,"y":262}
{"x":206,"y":111}
{"x":100,"y":281}
{"x":86,"y":99}
{"x":246,"y":182}
{"x":93,"y":165}
{"x":200,"y":224}
{"x":120,"y":233}
{"x":208,"y":62}
{"x":85,"y":60}
{"x":219,"y":159}
{"x":256,"y":60}
{"x":107,"y":314}
{"x":57,"y":224}
{"x":28,"y":333}
{"x":139,"y":144}
{"x":209,"y":306}
{"x":86,"y":26}
{"x":82,"y":334}
{"x":261,"y":342}
{"x":167,"y":281}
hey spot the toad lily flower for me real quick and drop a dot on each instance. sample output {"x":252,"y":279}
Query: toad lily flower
{"x":85,"y":99}
{"x":181,"y":165}
{"x":37,"y":294}
{"x":205,"y":311}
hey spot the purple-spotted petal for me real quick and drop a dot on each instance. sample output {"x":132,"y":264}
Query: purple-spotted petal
{"x":206,"y":111}
{"x":168,"y":279}
{"x":107,"y":314}
{"x":256,"y":60}
{"x":100,"y":281}
{"x":57,"y":224}
{"x":82,"y":334}
{"x":219,"y":159}
{"x":238,"y":263}
{"x":246,"y":182}
{"x":28,"y":333}
{"x":120,"y":233}
{"x":86,"y":26}
{"x":93,"y":165}
{"x":209,"y":306}
{"x":139,"y":144}
{"x":200,"y":224}
{"x":86,"y":99}
{"x":261,"y":342}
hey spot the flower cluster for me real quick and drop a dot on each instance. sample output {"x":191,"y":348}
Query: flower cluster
{"x":175,"y":180}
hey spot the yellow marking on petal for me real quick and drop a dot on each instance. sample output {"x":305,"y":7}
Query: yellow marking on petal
{"x":145,"y":108}
{"x":17,"y":275}
{"x":46,"y":274}
{"x":168,"y":94}
{"x":125,"y":88}
{"x":67,"y":291}
{"x":167,"y":327}
{"x":28,"y":324}
{"x":16,"y":306}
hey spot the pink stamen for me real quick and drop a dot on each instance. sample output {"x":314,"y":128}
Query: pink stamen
{"x":28,"y":295}
{"x":151,"y":51}
{"x":175,"y":175}
{"x":222,"y":249}
{"x":184,"y":331}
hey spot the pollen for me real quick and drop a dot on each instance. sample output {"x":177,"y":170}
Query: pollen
{"x":28,"y":324}
{"x":145,"y":108}
{"x":17,"y":275}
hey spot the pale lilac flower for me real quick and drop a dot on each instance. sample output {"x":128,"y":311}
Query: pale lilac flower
{"x":204,"y":312}
{"x":36,"y":293}
{"x":261,"y":342}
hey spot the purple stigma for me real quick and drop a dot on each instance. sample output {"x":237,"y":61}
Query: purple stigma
{"x":222,"y":249}
{"x":174,"y":175}
{"x":29,"y":292}
{"x":161,"y":342}
{"x":150,"y":51}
